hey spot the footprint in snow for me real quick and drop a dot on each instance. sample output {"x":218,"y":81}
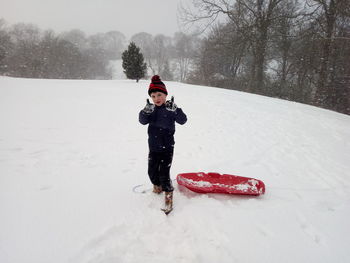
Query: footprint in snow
{"x":45,"y":187}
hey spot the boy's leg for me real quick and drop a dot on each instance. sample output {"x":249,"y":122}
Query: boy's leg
{"x":153,"y":168}
{"x":168,"y":202}
{"x":164,"y":171}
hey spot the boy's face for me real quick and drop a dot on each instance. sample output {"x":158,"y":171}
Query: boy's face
{"x":158,"y":98}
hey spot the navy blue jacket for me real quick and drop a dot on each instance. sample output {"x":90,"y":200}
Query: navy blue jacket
{"x":161,"y":127}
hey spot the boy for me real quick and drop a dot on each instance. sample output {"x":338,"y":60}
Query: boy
{"x":161,"y":117}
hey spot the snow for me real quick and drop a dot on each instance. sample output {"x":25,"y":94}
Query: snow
{"x":72,"y":151}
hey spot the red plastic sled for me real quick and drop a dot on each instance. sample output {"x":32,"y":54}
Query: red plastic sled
{"x":221,"y":183}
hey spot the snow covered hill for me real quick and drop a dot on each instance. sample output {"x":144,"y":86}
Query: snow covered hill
{"x":71,"y":152}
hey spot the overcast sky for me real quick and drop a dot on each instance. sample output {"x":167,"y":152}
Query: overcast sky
{"x":92,"y":16}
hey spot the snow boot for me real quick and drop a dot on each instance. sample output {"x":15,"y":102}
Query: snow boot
{"x":168,"y":202}
{"x":157,"y":189}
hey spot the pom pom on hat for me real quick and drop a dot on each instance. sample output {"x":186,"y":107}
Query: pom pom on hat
{"x":157,"y":85}
{"x":156,"y":79}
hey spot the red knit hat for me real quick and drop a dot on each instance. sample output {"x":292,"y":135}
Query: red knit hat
{"x":157,"y":85}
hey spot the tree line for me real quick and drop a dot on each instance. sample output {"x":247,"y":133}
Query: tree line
{"x":26,"y":51}
{"x":170,"y":57}
{"x":291,"y":49}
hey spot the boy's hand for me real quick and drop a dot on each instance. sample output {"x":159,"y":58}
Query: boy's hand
{"x":170,"y":105}
{"x":149,"y":108}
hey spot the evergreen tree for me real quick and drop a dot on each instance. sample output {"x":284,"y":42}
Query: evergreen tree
{"x":133,"y":63}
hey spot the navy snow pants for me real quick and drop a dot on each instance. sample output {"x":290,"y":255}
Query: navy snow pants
{"x":159,"y":164}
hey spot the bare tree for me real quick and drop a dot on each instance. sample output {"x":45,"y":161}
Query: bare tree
{"x":327,"y":13}
{"x":115,"y":43}
{"x":77,"y":37}
{"x":60,"y":58}
{"x":284,"y":39}
{"x":160,"y":52}
{"x":145,"y":42}
{"x":25,"y":59}
{"x":253,"y":19}
{"x":222,"y":57}
{"x":166,"y":72}
{"x":185,"y":47}
{"x":6,"y":46}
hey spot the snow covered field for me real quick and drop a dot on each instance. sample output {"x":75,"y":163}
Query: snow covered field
{"x":71,"y":152}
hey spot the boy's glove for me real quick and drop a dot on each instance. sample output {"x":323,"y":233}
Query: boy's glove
{"x":149,"y":108}
{"x":170,"y":105}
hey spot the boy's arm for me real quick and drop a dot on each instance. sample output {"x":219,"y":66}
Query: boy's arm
{"x":144,"y":115}
{"x":180,"y":116}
